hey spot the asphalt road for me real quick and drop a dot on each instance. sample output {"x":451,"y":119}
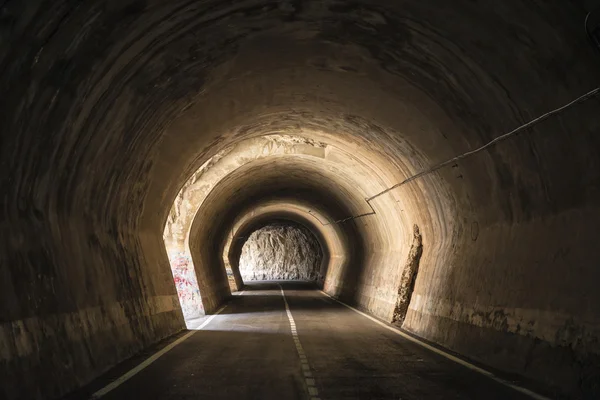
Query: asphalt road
{"x":253,"y":350}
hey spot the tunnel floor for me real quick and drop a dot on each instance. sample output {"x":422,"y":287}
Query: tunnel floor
{"x":248,"y":351}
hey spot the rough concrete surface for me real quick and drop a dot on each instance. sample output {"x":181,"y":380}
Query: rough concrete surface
{"x":109,"y":108}
{"x":281,"y":251}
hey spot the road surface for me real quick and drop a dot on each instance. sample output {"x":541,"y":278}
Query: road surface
{"x":255,"y":349}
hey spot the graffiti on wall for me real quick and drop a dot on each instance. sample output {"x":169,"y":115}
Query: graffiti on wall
{"x":187,"y":284}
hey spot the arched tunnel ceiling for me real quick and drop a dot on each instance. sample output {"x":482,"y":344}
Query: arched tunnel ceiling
{"x":359,"y":169}
{"x":274,"y":177}
{"x":292,"y":209}
{"x":408,"y":76}
{"x":109,"y":107}
{"x":201,"y":53}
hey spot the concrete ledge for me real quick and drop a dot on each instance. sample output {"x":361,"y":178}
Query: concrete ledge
{"x":559,"y":368}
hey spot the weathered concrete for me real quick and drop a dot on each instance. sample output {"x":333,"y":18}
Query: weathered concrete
{"x":109,"y":107}
{"x":408,"y":278}
{"x":281,"y":251}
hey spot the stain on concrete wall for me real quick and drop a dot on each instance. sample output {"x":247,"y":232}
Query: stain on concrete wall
{"x":281,"y":251}
{"x":409,"y":275}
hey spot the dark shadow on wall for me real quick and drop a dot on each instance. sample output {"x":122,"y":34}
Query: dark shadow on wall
{"x":353,"y":270}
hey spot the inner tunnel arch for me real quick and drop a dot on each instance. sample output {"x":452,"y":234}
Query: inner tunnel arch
{"x":334,"y":244}
{"x":334,"y":161}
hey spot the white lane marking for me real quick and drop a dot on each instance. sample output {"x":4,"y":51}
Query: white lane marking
{"x":444,"y":354}
{"x":132,"y":372}
{"x":239,"y":293}
{"x":308,"y":377}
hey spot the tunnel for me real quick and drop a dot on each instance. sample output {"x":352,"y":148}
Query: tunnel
{"x":443,"y":157}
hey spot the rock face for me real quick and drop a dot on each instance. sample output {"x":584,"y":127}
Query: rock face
{"x":281,"y":251}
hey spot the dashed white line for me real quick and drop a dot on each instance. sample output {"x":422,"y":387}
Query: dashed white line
{"x":444,"y":354}
{"x":308,"y":376}
{"x":132,"y":372}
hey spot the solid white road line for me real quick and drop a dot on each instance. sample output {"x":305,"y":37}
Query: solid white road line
{"x":132,"y":372}
{"x":444,"y":354}
{"x":308,"y":377}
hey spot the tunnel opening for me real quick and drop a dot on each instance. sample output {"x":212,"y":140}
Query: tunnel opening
{"x":334,"y":245}
{"x":281,"y":250}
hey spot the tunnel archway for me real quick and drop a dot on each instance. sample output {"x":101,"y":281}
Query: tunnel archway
{"x":110,"y":108}
{"x":337,"y":247}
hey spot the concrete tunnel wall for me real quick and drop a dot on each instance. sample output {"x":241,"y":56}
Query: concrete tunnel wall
{"x":109,"y":107}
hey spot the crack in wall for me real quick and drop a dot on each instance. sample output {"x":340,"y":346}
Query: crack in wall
{"x":409,"y":276}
